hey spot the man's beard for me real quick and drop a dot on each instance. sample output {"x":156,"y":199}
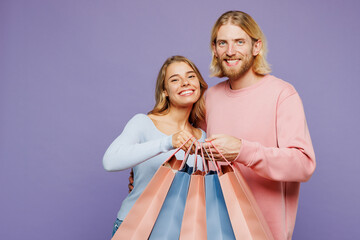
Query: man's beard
{"x":236,"y":73}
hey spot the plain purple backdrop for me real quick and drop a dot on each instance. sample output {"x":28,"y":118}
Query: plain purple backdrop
{"x":73,"y":72}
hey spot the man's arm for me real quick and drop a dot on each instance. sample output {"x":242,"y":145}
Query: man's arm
{"x":292,"y":160}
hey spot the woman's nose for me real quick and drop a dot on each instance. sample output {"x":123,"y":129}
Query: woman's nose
{"x":185,"y":82}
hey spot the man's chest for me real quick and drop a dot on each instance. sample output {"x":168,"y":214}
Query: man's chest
{"x":254,"y":120}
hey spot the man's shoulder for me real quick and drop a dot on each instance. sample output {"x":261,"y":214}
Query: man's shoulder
{"x":216,"y":88}
{"x":281,"y":88}
{"x":280,"y":84}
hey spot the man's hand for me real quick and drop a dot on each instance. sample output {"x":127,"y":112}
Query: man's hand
{"x":228,"y":146}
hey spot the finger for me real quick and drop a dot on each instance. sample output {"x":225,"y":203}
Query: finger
{"x":209,"y":139}
{"x":215,"y":154}
{"x":193,"y":149}
{"x":187,"y":133}
{"x":184,"y":148}
{"x":185,"y":145}
{"x":218,"y":157}
{"x":188,"y":144}
{"x":213,"y":137}
{"x":214,"y":147}
{"x":208,"y":157}
{"x":183,"y":139}
{"x":179,"y":140}
{"x":186,"y":140}
{"x":211,"y":148}
{"x":206,"y":145}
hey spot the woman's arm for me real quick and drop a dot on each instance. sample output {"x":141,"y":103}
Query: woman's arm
{"x":132,"y":148}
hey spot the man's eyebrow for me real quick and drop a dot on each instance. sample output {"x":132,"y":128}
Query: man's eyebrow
{"x":235,"y":39}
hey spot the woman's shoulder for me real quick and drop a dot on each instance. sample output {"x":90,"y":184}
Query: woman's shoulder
{"x":140,"y":123}
{"x":139,"y":119}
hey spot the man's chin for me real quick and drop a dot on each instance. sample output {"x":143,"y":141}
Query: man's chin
{"x":233,"y":74}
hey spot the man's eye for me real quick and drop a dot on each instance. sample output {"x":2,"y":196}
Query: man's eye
{"x":221,"y":43}
{"x":241,"y":42}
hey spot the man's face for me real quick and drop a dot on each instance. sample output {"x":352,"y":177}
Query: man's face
{"x":234,"y":51}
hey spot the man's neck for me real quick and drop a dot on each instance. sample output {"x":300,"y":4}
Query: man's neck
{"x":249,"y":78}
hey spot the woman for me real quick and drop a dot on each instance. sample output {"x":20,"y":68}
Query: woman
{"x":148,"y":140}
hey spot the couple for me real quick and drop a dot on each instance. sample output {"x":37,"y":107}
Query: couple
{"x":253,"y":118}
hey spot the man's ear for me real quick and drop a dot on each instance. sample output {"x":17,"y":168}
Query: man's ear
{"x":214,"y":49}
{"x":257,"y":47}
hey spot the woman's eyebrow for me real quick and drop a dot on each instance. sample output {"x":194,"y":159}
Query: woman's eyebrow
{"x":173,"y":75}
{"x":188,"y":72}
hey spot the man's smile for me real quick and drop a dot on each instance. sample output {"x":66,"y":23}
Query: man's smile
{"x":232,"y":62}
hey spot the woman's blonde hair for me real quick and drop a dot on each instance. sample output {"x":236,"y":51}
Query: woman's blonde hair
{"x":248,"y":24}
{"x":162,"y":104}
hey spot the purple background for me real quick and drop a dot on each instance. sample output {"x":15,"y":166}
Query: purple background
{"x":72,"y":73}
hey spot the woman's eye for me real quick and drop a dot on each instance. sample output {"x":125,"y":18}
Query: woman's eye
{"x":240,"y":42}
{"x":173,"y":80}
{"x":221,"y":43}
{"x":192,"y":76}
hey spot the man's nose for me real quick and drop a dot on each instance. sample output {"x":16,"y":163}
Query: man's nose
{"x":230,"y":51}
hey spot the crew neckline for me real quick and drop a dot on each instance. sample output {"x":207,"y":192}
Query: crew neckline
{"x":237,"y":92}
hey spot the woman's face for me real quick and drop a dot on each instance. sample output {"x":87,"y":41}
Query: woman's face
{"x":182,"y":85}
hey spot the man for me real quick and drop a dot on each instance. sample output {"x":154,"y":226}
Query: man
{"x":258,"y":121}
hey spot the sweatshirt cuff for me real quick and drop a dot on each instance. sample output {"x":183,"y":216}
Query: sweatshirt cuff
{"x":247,"y":153}
{"x":166,"y":144}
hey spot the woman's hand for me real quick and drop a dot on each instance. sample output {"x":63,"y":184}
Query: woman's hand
{"x":179,"y":138}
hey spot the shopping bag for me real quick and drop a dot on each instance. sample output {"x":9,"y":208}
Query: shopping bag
{"x":140,"y":220}
{"x":168,"y":222}
{"x":217,"y":218}
{"x":245,"y":215}
{"x":193,"y":225}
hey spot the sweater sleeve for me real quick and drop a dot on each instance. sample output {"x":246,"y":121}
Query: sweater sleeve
{"x":293,"y":160}
{"x":130,"y":149}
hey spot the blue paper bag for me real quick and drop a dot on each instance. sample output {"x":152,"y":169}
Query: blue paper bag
{"x":217,"y":218}
{"x":168,"y":223}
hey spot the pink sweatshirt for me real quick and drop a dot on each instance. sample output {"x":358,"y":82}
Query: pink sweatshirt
{"x":276,"y":154}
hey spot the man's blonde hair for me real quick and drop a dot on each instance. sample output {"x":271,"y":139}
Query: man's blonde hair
{"x":248,"y":24}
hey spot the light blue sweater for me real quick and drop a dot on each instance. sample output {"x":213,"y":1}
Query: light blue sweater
{"x":144,"y":148}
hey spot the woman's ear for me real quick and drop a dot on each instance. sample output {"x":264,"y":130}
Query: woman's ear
{"x":165,"y":93}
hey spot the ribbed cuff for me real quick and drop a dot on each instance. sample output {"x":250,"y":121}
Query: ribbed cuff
{"x":247,"y":153}
{"x":166,"y":144}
